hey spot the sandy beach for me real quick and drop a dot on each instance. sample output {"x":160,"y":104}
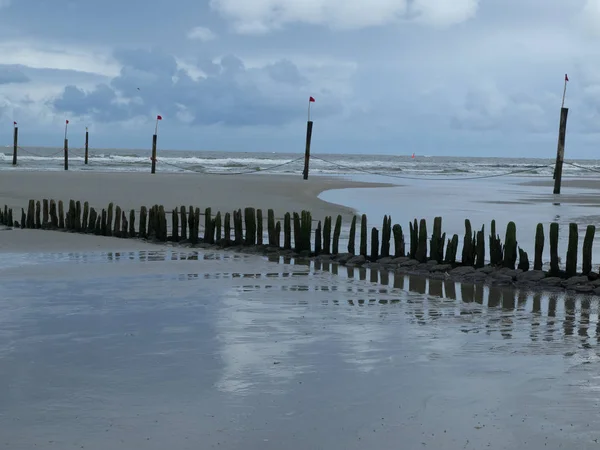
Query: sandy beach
{"x":220,"y":192}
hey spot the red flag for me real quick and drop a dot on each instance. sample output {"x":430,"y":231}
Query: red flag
{"x":566,"y":77}
{"x":14,"y":123}
{"x":158,"y":117}
{"x":67,"y":122}
{"x":311,"y":99}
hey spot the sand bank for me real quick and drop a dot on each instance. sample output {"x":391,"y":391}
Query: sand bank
{"x":17,"y":241}
{"x":220,"y":192}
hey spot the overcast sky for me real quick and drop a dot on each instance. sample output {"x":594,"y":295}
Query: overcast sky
{"x":435,"y":77}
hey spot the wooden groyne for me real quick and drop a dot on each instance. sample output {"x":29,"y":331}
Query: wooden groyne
{"x":433,"y":255}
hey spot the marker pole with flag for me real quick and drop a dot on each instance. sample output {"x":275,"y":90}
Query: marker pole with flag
{"x":66,"y":145}
{"x":87,"y":141}
{"x":15,"y":143}
{"x":154,"y":140}
{"x":562,"y":133}
{"x":309,"y":126}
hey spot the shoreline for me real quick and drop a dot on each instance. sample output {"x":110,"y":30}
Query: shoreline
{"x":131,"y":190}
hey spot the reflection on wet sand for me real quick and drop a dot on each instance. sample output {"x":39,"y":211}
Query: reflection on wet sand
{"x":216,"y":350}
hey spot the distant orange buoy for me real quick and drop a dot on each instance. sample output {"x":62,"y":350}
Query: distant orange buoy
{"x":413,"y":156}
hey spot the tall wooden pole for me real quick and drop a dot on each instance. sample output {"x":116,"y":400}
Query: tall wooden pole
{"x":15,"y":144}
{"x":154,"y":138}
{"x":66,"y":146}
{"x":309,"y":127}
{"x":87,"y":140}
{"x":560,"y":152}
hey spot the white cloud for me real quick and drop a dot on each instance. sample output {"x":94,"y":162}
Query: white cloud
{"x":590,"y":16}
{"x":42,"y":56}
{"x":201,"y":34}
{"x":261,"y":16}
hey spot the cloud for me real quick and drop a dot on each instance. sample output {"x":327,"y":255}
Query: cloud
{"x":201,"y":34}
{"x":11,"y":74}
{"x":229,"y":93}
{"x":262,"y":16}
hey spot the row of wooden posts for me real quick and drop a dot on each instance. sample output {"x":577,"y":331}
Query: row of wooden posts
{"x":185,"y":225}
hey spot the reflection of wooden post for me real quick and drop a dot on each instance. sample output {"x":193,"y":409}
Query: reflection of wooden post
{"x":66,"y":154}
{"x":560,"y":152}
{"x":309,"y":126}
{"x":87,"y":140}
{"x":15,"y":145}
{"x":154,"y":153}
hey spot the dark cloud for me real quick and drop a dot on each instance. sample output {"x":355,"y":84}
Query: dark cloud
{"x":12,"y":74}
{"x":230,"y":93}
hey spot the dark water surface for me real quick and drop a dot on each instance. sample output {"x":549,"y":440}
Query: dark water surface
{"x":170,"y":350}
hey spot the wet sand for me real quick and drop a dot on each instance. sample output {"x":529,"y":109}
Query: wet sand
{"x":186,"y":350}
{"x":220,"y":192}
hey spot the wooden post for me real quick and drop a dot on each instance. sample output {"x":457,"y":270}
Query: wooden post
{"x":309,"y":126}
{"x":87,"y":140}
{"x":560,"y":152}
{"x":15,"y":145}
{"x":66,"y":154}
{"x":154,"y":137}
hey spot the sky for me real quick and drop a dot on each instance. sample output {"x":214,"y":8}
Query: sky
{"x":433,"y":77}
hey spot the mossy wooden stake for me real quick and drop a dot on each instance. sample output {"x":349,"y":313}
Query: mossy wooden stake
{"x":238,"y":227}
{"x":318,"y":239}
{"x":143,"y":222}
{"x":352,"y":237}
{"x":399,"y":246}
{"x":480,"y":249}
{"x":151,"y":233}
{"x":91,"y":220}
{"x":124,"y":226}
{"x":588,"y":244}
{"x":45,"y":214}
{"x":109,"y":219}
{"x":183,"y":216}
{"x":452,"y":250}
{"x":30,"y":218}
{"x":218,"y":227}
{"x":78,"y":216}
{"x":162,"y":214}
{"x":571,"y":265}
{"x":10,"y":222}
{"x":414,"y":238}
{"x":23,"y":219}
{"x":271,"y":227}
{"x":191,"y":216}
{"x":385,"y":237}
{"x":510,"y":246}
{"x":70,"y":222}
{"x":175,"y":225}
{"x":259,"y":227}
{"x":363,"y":235}
{"x":468,"y":251}
{"x":53,"y":215}
{"x":103,"y":223}
{"x":250,"y":219}
{"x":86,"y":217}
{"x":496,"y":254}
{"x":208,"y":230}
{"x":287,"y":232}
{"x":227,"y":229}
{"x":196,"y":222}
{"x":523,"y":260}
{"x":306,"y":230}
{"x":132,"y":223}
{"x":117,"y":228}
{"x":374,"y":244}
{"x":98,"y":227}
{"x":38,"y":214}
{"x":327,"y":236}
{"x":337,"y":231}
{"x":61,"y":215}
{"x":297,"y":233}
{"x":539,"y":247}
{"x":278,"y":234}
{"x":437,"y":241}
{"x":421,"y":255}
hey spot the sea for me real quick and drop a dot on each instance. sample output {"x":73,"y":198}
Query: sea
{"x":390,"y":167}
